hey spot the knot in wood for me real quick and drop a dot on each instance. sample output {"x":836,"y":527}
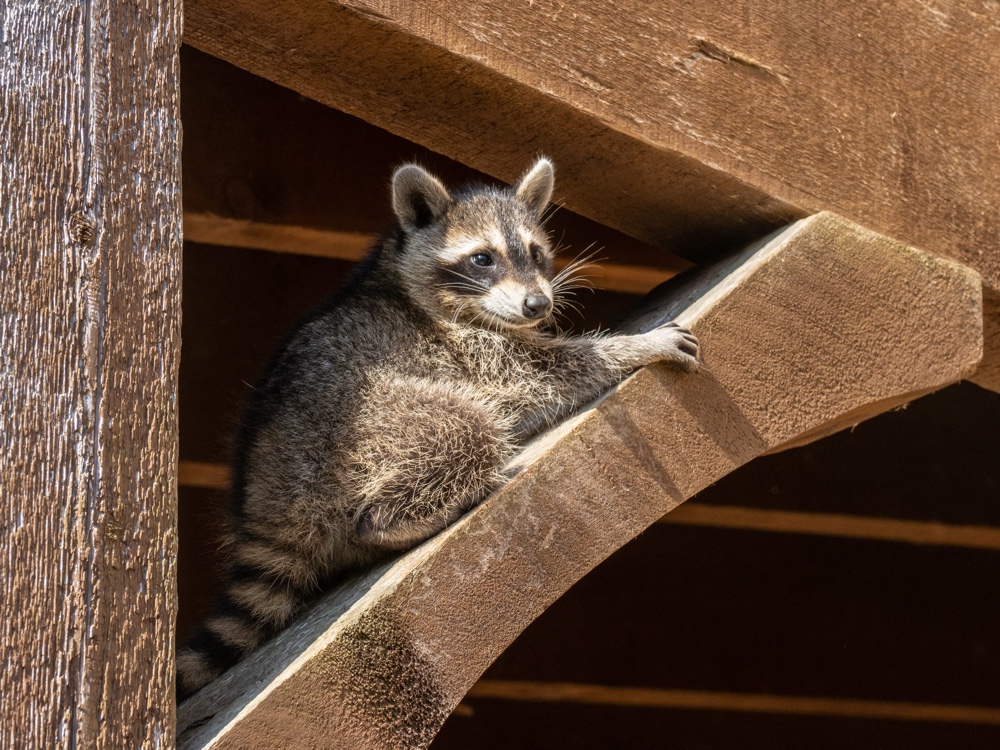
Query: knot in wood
{"x":82,"y":227}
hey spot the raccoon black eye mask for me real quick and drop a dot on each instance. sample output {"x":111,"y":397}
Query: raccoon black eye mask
{"x":394,"y":407}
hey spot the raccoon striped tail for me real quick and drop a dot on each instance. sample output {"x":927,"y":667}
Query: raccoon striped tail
{"x":255,"y":606}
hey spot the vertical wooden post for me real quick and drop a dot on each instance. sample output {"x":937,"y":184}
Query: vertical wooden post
{"x":89,"y":339}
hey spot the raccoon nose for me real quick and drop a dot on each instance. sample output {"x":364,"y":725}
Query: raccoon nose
{"x":535,"y":305}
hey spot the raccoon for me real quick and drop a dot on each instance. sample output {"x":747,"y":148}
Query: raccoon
{"x":393,"y":409}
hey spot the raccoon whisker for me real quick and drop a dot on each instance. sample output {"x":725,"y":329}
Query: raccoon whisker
{"x":583,"y":257}
{"x":568,"y":287}
{"x":579,"y":264}
{"x":484,"y":316}
{"x":576,"y":282}
{"x":477,"y":284}
{"x":458,"y":311}
{"x":572,"y":271}
{"x":458,"y":286}
{"x":551,"y":210}
{"x":573,"y":290}
{"x":558,"y":318}
{"x":561,"y":309}
{"x":563,"y":300}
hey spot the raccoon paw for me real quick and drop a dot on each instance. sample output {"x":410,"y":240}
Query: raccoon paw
{"x":678,"y":345}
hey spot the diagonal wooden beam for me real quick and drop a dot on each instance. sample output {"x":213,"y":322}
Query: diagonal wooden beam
{"x":823,"y":325}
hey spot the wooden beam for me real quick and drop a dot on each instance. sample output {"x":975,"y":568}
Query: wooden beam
{"x":89,"y":340}
{"x":605,"y":695}
{"x":687,"y":125}
{"x":797,"y":331}
{"x":202,"y":474}
{"x":216,"y":476}
{"x":209,"y":229}
{"x":835,"y":524}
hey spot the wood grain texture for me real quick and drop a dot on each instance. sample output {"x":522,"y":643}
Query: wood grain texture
{"x":836,"y":524}
{"x":682,"y":124}
{"x":379,"y":64}
{"x":562,"y":692}
{"x":819,"y":321}
{"x":90,"y":272}
{"x":210,"y":229}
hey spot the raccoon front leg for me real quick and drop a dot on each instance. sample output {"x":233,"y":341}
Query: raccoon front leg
{"x":582,"y":368}
{"x":434,"y":451}
{"x":668,"y":343}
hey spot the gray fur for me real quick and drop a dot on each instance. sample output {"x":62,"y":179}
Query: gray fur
{"x":394,"y":409}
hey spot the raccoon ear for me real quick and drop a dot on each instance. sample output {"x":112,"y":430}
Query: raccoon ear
{"x":418,"y":197}
{"x":535,"y":188}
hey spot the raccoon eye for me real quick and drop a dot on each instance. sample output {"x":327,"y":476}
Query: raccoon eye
{"x":482,"y":259}
{"x":536,"y":253}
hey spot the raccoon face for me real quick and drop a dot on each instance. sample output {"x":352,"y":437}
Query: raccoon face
{"x":479,"y":257}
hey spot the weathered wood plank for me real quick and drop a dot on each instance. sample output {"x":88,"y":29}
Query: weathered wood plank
{"x":836,"y":524}
{"x":682,"y":124}
{"x":562,"y":692}
{"x":209,"y":229}
{"x":375,"y":63}
{"x":821,"y":320}
{"x":89,"y":340}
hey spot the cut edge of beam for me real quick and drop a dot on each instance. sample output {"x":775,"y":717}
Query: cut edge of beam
{"x":988,"y":374}
{"x":567,"y":692}
{"x":221,"y":231}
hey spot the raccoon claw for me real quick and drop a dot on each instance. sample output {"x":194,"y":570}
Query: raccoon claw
{"x":685,"y":346}
{"x":688,"y":344}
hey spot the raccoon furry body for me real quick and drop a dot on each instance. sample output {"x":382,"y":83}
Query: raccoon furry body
{"x":393,"y":409}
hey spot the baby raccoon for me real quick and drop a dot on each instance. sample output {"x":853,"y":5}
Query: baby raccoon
{"x":394,"y":408}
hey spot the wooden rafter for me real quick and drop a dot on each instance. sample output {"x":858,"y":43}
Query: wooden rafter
{"x":380,"y":662}
{"x":208,"y":229}
{"x":563,"y":692}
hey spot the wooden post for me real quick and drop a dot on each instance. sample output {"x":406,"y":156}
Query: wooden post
{"x":89,"y":340}
{"x":823,"y":326}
